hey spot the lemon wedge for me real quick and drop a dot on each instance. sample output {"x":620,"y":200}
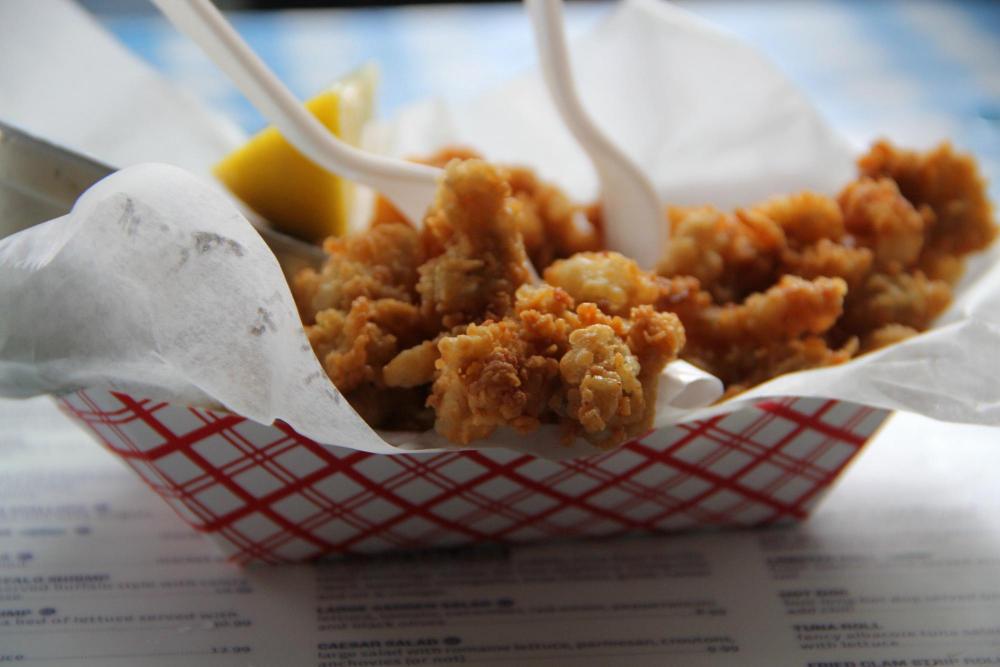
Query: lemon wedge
{"x":282,"y":185}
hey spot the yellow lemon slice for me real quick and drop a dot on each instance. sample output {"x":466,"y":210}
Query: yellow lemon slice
{"x":283,"y":186}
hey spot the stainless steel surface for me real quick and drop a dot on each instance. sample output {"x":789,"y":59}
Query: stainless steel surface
{"x":40,"y":181}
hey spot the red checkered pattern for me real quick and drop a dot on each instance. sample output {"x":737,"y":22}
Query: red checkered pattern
{"x":270,"y":495}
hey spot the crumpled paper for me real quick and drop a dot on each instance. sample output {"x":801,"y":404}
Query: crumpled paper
{"x":155,"y":284}
{"x":706,"y":117}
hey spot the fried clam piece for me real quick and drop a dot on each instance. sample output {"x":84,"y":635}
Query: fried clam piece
{"x":948,"y":184}
{"x":360,"y":309}
{"x":743,"y":369}
{"x":554,"y":361}
{"x":816,"y":241}
{"x":734,"y":255}
{"x":921,"y":219}
{"x":546,"y":317}
{"x":731,"y":255}
{"x":380,"y":263}
{"x":830,"y":259}
{"x":413,"y":366}
{"x":907,"y":299}
{"x":384,"y":212}
{"x":773,"y":332}
{"x":551,"y":225}
{"x":879,"y":217}
{"x":603,"y":390}
{"x":354,"y":346}
{"x":481,"y":262}
{"x":890,"y":334}
{"x":805,"y":218}
{"x":770,"y":332}
{"x":485,"y":379}
{"x":792,"y":307}
{"x":610,"y":280}
{"x":611,"y":372}
{"x":503,"y":373}
{"x":614,"y":285}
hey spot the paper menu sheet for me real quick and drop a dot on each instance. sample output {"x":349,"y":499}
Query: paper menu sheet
{"x":901,"y":566}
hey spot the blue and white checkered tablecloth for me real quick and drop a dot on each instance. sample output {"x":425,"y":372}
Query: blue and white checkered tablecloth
{"x":915,"y":71}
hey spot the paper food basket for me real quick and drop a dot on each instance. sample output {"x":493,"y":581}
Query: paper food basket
{"x":266,"y":494}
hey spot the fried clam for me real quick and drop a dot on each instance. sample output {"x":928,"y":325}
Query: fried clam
{"x":441,"y":326}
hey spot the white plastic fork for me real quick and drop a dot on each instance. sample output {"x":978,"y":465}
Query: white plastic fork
{"x":634,"y":222}
{"x":409,"y":186}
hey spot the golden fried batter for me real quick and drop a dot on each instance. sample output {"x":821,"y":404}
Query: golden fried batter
{"x":832,"y":259}
{"x":446,"y":313}
{"x":743,"y":344}
{"x":354,"y":346}
{"x":895,"y":238}
{"x":608,"y":279}
{"x":596,"y":374}
{"x":791,"y":308}
{"x":887,"y":335}
{"x":610,"y":385}
{"x":602,"y":380}
{"x":909,"y":299}
{"x":379,"y":264}
{"x":742,"y":369}
{"x":552,"y":227}
{"x":482,"y":382}
{"x":729,"y":340}
{"x":483,"y":260}
{"x":412,"y":367}
{"x":442,"y":325}
{"x":806,"y":218}
{"x":731,"y":255}
{"x":879,"y":217}
{"x":946,"y":182}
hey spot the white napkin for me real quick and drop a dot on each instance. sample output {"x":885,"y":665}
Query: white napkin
{"x":707,"y":117}
{"x":155,"y":285}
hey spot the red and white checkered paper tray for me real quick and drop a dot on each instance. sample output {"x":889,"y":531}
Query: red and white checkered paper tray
{"x":224,"y":326}
{"x":266,"y":494}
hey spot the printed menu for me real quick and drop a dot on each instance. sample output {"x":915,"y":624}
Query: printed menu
{"x":899,"y":567}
